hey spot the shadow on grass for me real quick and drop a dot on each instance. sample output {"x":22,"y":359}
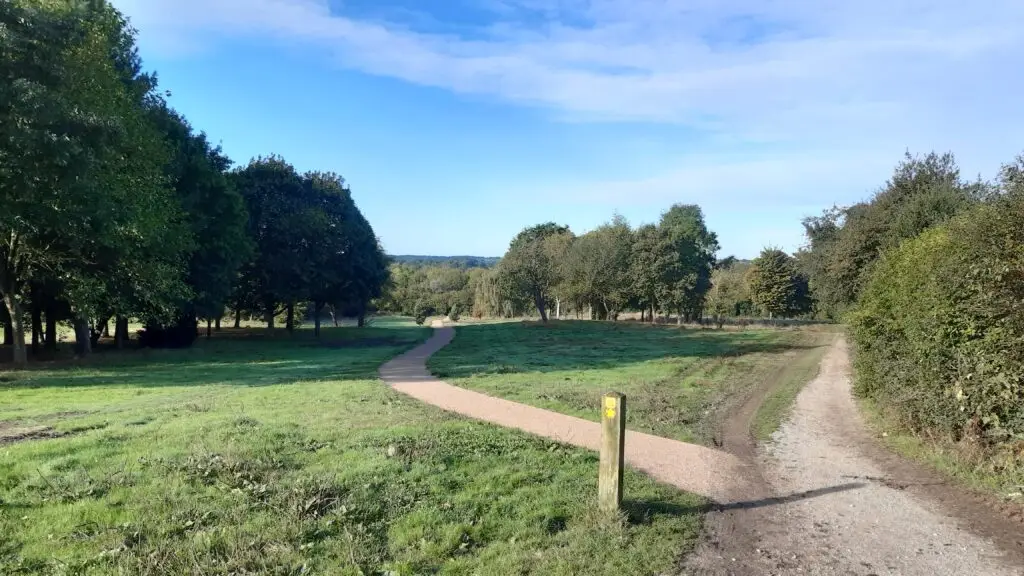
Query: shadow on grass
{"x":582,"y":345}
{"x":643,"y":512}
{"x":240,"y":358}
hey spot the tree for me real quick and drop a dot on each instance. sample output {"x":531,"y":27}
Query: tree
{"x":924,"y":191}
{"x":284,"y":223}
{"x":217,"y":218}
{"x":730,"y":293}
{"x":647,"y":266}
{"x":532,"y":265}
{"x":772,"y":280}
{"x":80,"y":167}
{"x":686,"y":276}
{"x":596,"y":272}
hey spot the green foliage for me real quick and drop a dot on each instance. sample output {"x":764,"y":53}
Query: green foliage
{"x":845,"y":243}
{"x":776,"y":285}
{"x":688,"y":257}
{"x":596,"y":269}
{"x":532,"y":266}
{"x":939,"y":329}
{"x":462,"y":262}
{"x":215,"y":213}
{"x":86,"y":204}
{"x":730,"y":292}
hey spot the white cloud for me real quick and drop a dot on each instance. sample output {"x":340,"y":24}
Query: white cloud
{"x":840,"y":84}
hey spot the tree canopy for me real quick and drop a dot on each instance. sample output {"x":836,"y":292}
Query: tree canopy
{"x":115,"y":208}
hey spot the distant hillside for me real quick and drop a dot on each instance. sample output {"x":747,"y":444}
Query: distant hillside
{"x":453,"y":261}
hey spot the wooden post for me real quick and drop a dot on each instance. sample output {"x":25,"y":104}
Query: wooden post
{"x":613,"y":444}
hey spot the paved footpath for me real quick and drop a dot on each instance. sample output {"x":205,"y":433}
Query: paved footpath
{"x":693,"y":468}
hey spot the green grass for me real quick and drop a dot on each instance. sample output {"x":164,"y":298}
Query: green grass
{"x":997,"y":474}
{"x":778,"y":404}
{"x":672,"y":377}
{"x":257,"y":455}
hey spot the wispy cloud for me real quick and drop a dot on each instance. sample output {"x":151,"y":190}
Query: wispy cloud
{"x":819,"y":78}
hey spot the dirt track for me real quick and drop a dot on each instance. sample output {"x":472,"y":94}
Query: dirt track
{"x":829,"y":500}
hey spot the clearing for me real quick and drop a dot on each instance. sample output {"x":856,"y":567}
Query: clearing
{"x":276,"y":455}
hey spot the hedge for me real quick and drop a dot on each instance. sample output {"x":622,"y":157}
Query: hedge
{"x":938,"y":332}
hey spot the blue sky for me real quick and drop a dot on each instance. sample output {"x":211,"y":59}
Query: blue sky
{"x":458,"y":122}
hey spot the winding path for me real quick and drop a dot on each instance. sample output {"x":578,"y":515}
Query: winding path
{"x":693,"y":468}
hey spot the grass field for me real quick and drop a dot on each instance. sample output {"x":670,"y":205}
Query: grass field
{"x":672,"y":378}
{"x":255,"y":455}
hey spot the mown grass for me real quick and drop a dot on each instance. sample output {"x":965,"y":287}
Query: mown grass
{"x":253,"y":455}
{"x":673,"y":378}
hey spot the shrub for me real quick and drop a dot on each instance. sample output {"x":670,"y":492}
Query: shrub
{"x":454,"y":314}
{"x":939,"y":329}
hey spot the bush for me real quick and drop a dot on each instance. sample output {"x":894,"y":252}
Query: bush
{"x":181,"y":334}
{"x":939,"y":329}
{"x":422,"y":311}
{"x":454,"y":314}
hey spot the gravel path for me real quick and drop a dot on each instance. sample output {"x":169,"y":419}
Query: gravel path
{"x":845,"y":513}
{"x":690,"y":467}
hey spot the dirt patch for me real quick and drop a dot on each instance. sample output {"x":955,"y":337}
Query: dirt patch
{"x":829,"y":500}
{"x":12,"y":432}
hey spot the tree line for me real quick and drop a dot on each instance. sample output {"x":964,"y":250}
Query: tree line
{"x":115,"y":208}
{"x":929,"y":275}
{"x":666,"y":269}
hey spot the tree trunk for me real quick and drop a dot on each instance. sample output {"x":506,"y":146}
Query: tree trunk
{"x":334,"y":316}
{"x":37,"y":326}
{"x":50,"y":344}
{"x":654,"y":317}
{"x":643,"y":311}
{"x":106,"y":328}
{"x":120,"y":332}
{"x":16,"y":336}
{"x":679,"y":318}
{"x":361,"y":321}
{"x":238,"y":317}
{"x":83,"y":336}
{"x":209,"y":328}
{"x":8,"y":334}
{"x":558,"y":308}
{"x":539,"y":301}
{"x":216,"y":325}
{"x":268,"y":313}
{"x":317,"y":309}
{"x":289,"y":322}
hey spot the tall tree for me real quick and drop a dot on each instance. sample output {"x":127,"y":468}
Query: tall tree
{"x":844,"y":244}
{"x":283,"y":224}
{"x":597,"y":269}
{"x":687,"y":276}
{"x":773,"y":282}
{"x":532,"y":265}
{"x":216,"y":216}
{"x":80,"y":166}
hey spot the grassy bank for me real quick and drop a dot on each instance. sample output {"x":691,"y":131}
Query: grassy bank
{"x":249,"y":455}
{"x":997,"y":474}
{"x":672,"y":377}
